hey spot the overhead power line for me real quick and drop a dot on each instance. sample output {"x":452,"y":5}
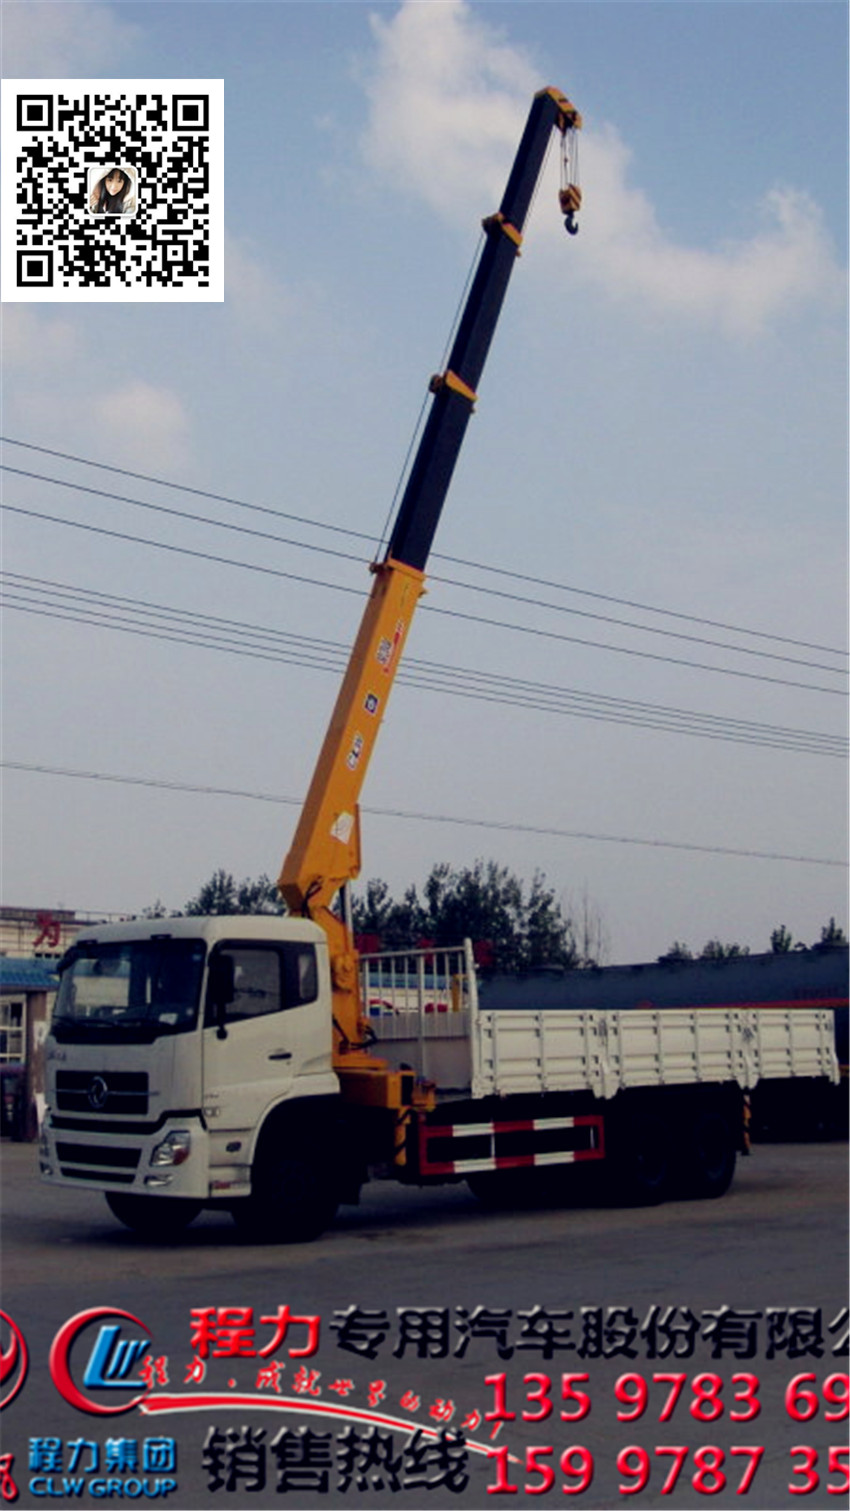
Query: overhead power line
{"x":536,"y":603}
{"x":162,"y":482}
{"x":523,"y":629}
{"x":212,"y":632}
{"x":528,"y":578}
{"x":430,"y":818}
{"x":184,"y":514}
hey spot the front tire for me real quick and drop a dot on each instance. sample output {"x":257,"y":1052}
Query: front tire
{"x":293,"y":1200}
{"x":153,"y":1216}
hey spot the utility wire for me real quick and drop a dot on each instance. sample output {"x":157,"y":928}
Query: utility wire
{"x":436,"y":555}
{"x":431,"y":818}
{"x":577,"y":705}
{"x":203,"y":519}
{"x":426,"y":608}
{"x":163,"y":482}
{"x":137,"y":616}
{"x":645,"y":608}
{"x":195,"y":519}
{"x":161,"y":545}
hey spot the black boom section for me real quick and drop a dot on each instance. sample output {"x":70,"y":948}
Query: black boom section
{"x":429,"y":480}
{"x":454,"y":392}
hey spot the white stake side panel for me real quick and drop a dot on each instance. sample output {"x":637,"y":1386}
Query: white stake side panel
{"x":423,"y":1007}
{"x":607,"y":1052}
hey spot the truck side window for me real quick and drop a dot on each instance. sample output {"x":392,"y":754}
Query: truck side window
{"x":302,"y":976}
{"x":268,"y":979}
{"x":256,"y":983}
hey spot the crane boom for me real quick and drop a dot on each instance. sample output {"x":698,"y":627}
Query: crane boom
{"x":325,"y":851}
{"x":455,"y":390}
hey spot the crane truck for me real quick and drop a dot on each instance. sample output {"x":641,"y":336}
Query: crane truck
{"x":230,"y":1062}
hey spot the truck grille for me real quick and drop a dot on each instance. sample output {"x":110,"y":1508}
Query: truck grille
{"x":89,"y":1154}
{"x":113,"y":1093}
{"x":118,"y":1177}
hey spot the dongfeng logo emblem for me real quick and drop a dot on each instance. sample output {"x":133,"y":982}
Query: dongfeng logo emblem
{"x":97,"y":1094}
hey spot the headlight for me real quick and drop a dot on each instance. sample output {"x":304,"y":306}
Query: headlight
{"x":174,"y":1150}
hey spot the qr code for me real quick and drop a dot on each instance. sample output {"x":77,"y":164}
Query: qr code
{"x":112,"y":190}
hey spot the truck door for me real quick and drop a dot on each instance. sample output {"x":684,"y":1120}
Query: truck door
{"x":263,"y":1031}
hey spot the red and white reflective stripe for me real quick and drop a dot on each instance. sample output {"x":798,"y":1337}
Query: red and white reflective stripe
{"x":493,"y":1161}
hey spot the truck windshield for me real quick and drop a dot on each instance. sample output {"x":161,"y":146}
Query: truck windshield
{"x":135,"y":989}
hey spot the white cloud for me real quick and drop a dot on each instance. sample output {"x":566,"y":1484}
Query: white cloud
{"x":739,"y":285}
{"x":61,"y":41}
{"x":34,"y":342}
{"x":147,"y":425}
{"x":258,"y":298}
{"x":448,"y":97}
{"x":447,"y":101}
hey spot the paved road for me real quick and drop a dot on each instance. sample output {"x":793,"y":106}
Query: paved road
{"x":448,"y":1294}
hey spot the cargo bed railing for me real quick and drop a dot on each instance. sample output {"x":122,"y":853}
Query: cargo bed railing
{"x":420,"y":1005}
{"x":607,"y":1052}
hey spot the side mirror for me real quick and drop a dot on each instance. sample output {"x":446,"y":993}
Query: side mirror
{"x":221,"y":990}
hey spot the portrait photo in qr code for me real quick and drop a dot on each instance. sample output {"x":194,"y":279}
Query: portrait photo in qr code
{"x":112,"y":190}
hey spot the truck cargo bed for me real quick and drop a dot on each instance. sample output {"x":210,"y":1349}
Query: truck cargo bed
{"x":607,"y":1052}
{"x":425,"y":1012}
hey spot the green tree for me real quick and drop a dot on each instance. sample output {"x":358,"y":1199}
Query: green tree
{"x":781,"y":940}
{"x":522,"y":927}
{"x":677,"y":951}
{"x":217,"y":895}
{"x":831,"y":936}
{"x":714,"y":950}
{"x":222,"y":895}
{"x":157,"y":910}
{"x":260,"y":896}
{"x":397,"y":925}
{"x":592,"y":939}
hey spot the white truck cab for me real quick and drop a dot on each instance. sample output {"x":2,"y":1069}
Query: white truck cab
{"x":172,"y":1042}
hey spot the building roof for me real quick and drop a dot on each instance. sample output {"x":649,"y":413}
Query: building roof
{"x":18,"y":975}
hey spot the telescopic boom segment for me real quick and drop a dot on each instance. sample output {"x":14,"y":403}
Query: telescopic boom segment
{"x":325,"y":852}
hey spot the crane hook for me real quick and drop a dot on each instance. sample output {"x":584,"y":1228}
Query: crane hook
{"x":569,"y":200}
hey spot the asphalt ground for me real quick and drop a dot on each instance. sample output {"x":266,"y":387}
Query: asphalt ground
{"x":422,"y":1308}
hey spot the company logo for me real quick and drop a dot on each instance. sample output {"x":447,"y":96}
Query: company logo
{"x":97,"y":1094}
{"x":107,"y":1360}
{"x":14,"y":1360}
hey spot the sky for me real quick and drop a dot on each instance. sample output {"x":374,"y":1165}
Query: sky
{"x":636,"y":608}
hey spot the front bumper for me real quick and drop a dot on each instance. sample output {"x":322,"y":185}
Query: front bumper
{"x":174,"y":1160}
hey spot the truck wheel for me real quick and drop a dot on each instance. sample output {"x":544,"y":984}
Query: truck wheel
{"x":642,"y":1161}
{"x":707,"y":1161}
{"x":502,"y":1189}
{"x":153,"y":1216}
{"x":293,"y":1201}
{"x":499,"y":1190}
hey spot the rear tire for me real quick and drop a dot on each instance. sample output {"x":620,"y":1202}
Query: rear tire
{"x":707,"y":1161}
{"x":641,"y":1163}
{"x":499,"y":1190}
{"x":542,"y":1187}
{"x":153,"y":1216}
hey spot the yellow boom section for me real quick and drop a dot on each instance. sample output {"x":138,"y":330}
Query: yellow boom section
{"x":325,"y":853}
